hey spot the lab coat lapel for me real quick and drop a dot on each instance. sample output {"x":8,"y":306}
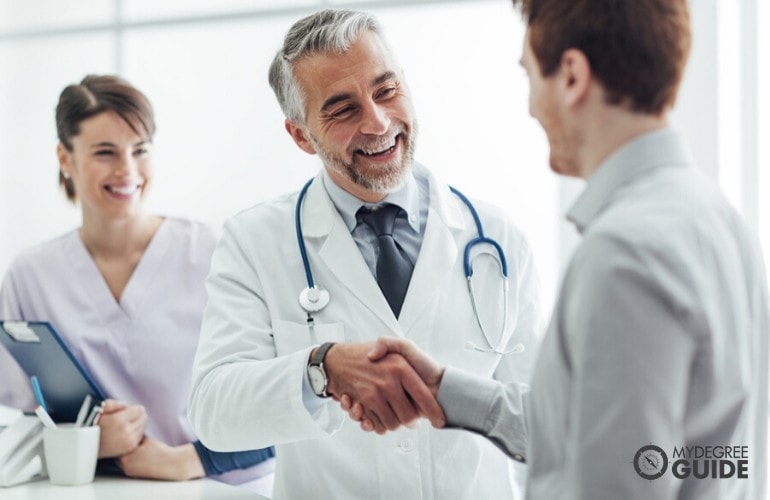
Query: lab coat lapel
{"x":327,"y":234}
{"x":438,"y":252}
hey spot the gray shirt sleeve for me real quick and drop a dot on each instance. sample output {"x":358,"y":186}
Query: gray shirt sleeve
{"x":488,"y":407}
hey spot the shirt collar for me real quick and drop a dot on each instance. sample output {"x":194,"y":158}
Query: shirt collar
{"x":407,"y":198}
{"x":651,"y":150}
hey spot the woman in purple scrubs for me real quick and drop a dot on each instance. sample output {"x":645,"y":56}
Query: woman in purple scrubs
{"x":125,"y":291}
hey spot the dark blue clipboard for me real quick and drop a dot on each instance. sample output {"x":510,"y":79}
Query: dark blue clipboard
{"x":40,"y":351}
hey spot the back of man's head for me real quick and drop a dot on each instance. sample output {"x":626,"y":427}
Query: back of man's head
{"x":637,"y":49}
{"x":326,"y":31}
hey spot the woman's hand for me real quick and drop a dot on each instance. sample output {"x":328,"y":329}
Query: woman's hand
{"x":122,"y":428}
{"x":153,"y":459}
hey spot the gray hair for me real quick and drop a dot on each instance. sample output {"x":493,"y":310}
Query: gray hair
{"x":323,"y":32}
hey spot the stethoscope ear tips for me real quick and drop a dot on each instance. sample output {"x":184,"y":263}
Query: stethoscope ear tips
{"x":313,"y":299}
{"x":470,"y":346}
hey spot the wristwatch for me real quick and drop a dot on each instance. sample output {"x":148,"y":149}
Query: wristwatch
{"x":316,"y":373}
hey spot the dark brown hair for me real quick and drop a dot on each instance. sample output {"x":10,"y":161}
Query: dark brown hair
{"x":93,"y":95}
{"x":637,"y":48}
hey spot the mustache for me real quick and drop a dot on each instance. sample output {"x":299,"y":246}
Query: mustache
{"x":379,"y":143}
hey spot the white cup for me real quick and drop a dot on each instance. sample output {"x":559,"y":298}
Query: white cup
{"x":70,"y":453}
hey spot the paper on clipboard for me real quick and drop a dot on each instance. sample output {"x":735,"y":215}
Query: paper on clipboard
{"x":20,"y":331}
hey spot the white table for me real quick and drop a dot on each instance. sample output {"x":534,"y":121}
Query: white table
{"x":119,"y":488}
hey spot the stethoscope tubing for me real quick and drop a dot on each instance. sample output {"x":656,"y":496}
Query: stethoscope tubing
{"x":300,"y":239}
{"x":467,"y":267}
{"x":479,"y":239}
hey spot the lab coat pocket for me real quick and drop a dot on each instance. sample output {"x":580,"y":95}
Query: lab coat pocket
{"x":291,"y":337}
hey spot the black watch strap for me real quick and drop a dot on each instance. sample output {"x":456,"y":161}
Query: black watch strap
{"x":320,"y":354}
{"x":316,"y":371}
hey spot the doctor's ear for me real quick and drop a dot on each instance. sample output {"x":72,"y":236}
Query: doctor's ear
{"x":300,"y":137}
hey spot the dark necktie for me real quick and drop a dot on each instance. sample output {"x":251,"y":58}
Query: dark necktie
{"x":394,"y":269}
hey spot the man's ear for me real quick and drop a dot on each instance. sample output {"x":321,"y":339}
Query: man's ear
{"x":300,"y":137}
{"x":576,"y":76}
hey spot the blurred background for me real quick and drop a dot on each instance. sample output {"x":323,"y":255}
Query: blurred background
{"x":221,"y":146}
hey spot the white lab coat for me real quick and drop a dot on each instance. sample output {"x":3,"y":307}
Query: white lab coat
{"x":255,"y":343}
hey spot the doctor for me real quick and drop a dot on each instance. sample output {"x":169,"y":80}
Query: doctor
{"x":260,"y":376}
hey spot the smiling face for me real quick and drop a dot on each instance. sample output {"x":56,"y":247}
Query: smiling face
{"x":359,"y":117}
{"x":109,"y":165}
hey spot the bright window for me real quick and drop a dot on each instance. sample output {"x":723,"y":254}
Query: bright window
{"x":48,"y":15}
{"x":221,"y":145}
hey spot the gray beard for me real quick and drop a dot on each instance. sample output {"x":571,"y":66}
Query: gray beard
{"x":391,"y":179}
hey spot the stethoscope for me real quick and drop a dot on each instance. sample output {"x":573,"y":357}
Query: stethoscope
{"x":314,"y":297}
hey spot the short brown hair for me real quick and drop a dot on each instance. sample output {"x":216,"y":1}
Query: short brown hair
{"x":637,"y":48}
{"x":93,"y":95}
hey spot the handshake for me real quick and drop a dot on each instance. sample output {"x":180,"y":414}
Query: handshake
{"x":385,"y":384}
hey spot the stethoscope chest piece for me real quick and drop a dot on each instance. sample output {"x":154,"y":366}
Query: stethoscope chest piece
{"x":313,"y":299}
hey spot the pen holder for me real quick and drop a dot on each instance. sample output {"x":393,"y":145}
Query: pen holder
{"x":71,"y":453}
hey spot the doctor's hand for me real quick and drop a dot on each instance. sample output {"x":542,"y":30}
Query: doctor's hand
{"x":122,"y":428}
{"x":429,"y":371}
{"x":390,"y":391}
{"x":154,"y":459}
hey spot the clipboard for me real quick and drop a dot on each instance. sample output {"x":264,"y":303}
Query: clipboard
{"x":40,"y":351}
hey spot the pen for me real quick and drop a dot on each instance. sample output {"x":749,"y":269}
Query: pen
{"x":93,"y":417}
{"x":83,"y":411}
{"x":38,"y":392}
{"x":44,"y":417}
{"x":99,"y":415}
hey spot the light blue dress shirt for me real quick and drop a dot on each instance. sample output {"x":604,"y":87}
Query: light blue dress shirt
{"x":409,"y":228}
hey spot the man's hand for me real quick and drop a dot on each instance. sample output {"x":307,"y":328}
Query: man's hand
{"x":389,"y":389}
{"x":122,"y":428}
{"x":428,"y":370}
{"x":154,"y":459}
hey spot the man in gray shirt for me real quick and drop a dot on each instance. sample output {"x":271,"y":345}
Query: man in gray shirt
{"x":651,"y":381}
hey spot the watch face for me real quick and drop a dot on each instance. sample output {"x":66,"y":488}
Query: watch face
{"x":317,"y":379}
{"x":650,"y":462}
